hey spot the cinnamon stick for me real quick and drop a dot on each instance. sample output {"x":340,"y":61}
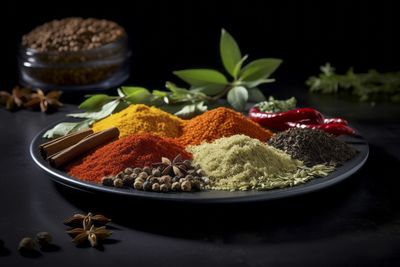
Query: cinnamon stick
{"x":88,"y":143}
{"x":54,"y":146}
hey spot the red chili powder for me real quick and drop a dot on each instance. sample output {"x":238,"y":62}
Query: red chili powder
{"x":137,"y":150}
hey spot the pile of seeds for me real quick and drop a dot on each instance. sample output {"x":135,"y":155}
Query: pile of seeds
{"x":72,"y":34}
{"x":313,"y":147}
{"x":178,"y":175}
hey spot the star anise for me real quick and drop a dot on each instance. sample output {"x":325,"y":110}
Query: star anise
{"x":16,"y":99}
{"x":176,"y":166}
{"x":87,"y":220}
{"x":93,"y":235}
{"x":45,"y":102}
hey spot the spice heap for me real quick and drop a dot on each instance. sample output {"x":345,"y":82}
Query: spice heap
{"x":242,"y":163}
{"x":313,"y":146}
{"x":168,"y":175}
{"x":140,"y":119}
{"x":136,"y":150}
{"x":72,"y":34}
{"x":220,"y":122}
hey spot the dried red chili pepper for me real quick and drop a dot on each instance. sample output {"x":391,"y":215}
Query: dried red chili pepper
{"x":277,"y":120}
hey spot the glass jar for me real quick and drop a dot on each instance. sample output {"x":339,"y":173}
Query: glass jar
{"x":99,"y":68}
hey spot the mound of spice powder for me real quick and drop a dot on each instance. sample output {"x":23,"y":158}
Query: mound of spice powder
{"x":220,"y":122}
{"x":243,"y":163}
{"x":142,"y":119}
{"x":313,"y":146}
{"x":136,"y":150}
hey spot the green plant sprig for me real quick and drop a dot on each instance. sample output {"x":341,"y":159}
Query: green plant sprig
{"x":369,"y":86}
{"x":205,"y":87}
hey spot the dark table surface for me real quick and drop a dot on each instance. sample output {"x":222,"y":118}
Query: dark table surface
{"x":356,"y":222}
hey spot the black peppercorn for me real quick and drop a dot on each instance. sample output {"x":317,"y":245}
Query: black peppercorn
{"x":147,"y":186}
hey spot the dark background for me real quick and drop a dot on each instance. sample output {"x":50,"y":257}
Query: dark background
{"x":171,"y":35}
{"x":355,"y":223}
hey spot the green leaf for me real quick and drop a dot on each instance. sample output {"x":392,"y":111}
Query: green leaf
{"x":95,"y":102}
{"x":65,"y":128}
{"x":175,"y":89}
{"x":210,"y":89}
{"x":230,"y":52}
{"x":237,"y":97}
{"x":260,"y":69}
{"x":138,"y":96}
{"x":159,"y":93}
{"x":191,"y":110}
{"x":120,"y":93}
{"x":199,"y":77}
{"x":128,"y":90}
{"x":255,"y":95}
{"x":105,"y":111}
{"x":60,"y":129}
{"x":238,"y":67}
{"x":256,"y":83}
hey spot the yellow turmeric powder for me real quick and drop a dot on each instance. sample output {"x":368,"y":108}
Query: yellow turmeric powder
{"x":141,"y":119}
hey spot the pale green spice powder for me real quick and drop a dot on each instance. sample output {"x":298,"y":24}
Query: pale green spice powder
{"x":239,"y":162}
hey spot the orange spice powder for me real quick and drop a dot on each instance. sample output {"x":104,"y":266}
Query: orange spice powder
{"x":220,"y":122}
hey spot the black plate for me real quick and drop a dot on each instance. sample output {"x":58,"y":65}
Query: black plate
{"x":316,"y":184}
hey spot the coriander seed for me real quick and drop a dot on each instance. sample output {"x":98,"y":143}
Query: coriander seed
{"x":164,"y":188}
{"x":176,"y":186}
{"x":118,"y":183}
{"x":186,"y":186}
{"x":26,"y":244}
{"x":128,"y":171}
{"x":138,"y":185}
{"x":147,"y":170}
{"x":156,"y":172}
{"x":44,"y":238}
{"x":137,"y":170}
{"x":143,"y":175}
{"x":155,"y":187}
{"x":107,"y":181}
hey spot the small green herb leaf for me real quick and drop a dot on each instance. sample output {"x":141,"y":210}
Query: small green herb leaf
{"x":255,"y":95}
{"x":237,"y":97}
{"x":175,"y":89}
{"x":95,"y":102}
{"x":60,"y":129}
{"x":199,"y":77}
{"x":230,"y":52}
{"x":260,"y":69}
{"x":238,"y":67}
{"x":105,"y":111}
{"x":210,"y":89}
{"x":252,"y":84}
{"x":191,"y":110}
{"x":128,"y":90}
{"x":139,"y":95}
{"x":159,"y":93}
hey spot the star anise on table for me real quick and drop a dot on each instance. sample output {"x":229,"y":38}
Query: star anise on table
{"x":176,"y":167}
{"x":16,"y":99}
{"x":87,"y":220}
{"x":93,"y":235}
{"x":44,"y":101}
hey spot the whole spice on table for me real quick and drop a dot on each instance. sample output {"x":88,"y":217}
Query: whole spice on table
{"x":220,"y":122}
{"x":168,"y":175}
{"x":313,"y":146}
{"x":93,"y":235}
{"x":88,"y":219}
{"x":23,"y":97}
{"x":44,"y":239}
{"x":141,"y":118}
{"x":26,"y":244}
{"x":243,"y":163}
{"x":136,"y":150}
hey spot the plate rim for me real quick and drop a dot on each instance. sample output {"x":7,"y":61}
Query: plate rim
{"x":64,"y":179}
